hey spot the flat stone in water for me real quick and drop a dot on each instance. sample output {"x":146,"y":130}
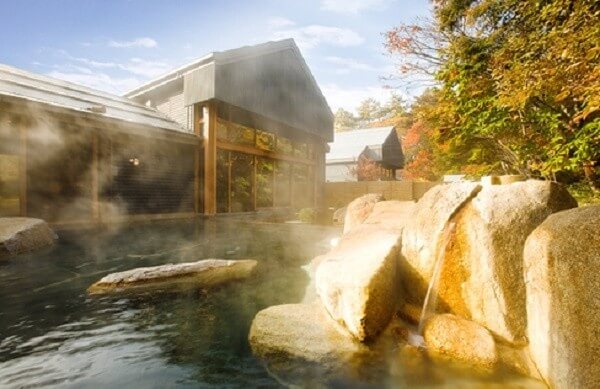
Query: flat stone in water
{"x":204,"y":273}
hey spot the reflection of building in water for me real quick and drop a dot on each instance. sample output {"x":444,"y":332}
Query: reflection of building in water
{"x":235,"y":131}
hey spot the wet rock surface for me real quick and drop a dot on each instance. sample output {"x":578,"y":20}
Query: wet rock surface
{"x":562,"y":278}
{"x":461,"y":339}
{"x":20,"y":235}
{"x":204,"y":273}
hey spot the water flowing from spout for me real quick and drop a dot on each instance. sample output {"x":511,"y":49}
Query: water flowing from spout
{"x":430,"y":303}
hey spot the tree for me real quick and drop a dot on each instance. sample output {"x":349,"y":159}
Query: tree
{"x":368,"y":170}
{"x":369,"y":110}
{"x":519,"y":82}
{"x":344,"y":120}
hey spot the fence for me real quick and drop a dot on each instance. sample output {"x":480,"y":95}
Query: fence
{"x":339,"y":194}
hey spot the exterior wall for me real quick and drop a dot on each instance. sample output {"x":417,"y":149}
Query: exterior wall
{"x":339,"y":194}
{"x":340,"y":172}
{"x":173,"y":106}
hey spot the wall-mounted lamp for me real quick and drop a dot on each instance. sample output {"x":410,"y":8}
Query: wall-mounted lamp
{"x":134,"y":161}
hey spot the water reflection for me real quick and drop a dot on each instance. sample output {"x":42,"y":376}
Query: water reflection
{"x":52,"y":333}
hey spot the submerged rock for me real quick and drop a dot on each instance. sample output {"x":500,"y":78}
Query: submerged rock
{"x":359,"y":209}
{"x":461,"y":340}
{"x":21,"y":234}
{"x":301,"y":331}
{"x":204,"y":273}
{"x":562,"y":278}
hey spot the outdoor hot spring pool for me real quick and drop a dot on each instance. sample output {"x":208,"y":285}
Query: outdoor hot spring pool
{"x":53,"y":334}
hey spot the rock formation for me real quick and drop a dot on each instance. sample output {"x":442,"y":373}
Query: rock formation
{"x":204,"y":273}
{"x":562,"y":278}
{"x":21,"y":234}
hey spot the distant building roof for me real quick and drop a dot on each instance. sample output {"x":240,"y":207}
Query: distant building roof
{"x":17,"y":83}
{"x":349,"y":145}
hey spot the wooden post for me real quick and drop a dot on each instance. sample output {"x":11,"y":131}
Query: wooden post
{"x":210,"y":157}
{"x":23,"y":169}
{"x":254,"y":181}
{"x":95,"y":178}
{"x":228,"y":181}
{"x":198,"y":124}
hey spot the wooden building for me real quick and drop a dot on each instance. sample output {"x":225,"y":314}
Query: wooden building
{"x":378,"y":144}
{"x":236,"y":131}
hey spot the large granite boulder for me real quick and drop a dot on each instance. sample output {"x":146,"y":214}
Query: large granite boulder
{"x":562,"y":280}
{"x":483,"y":256}
{"x":357,"y":280}
{"x":483,"y":278}
{"x":21,"y":234}
{"x":392,"y":214}
{"x":302,"y":331}
{"x":201,"y":274}
{"x":461,"y":340}
{"x":423,"y":232}
{"x":359,"y":209}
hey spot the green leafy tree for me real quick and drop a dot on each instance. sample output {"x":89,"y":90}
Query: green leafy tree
{"x":344,"y":120}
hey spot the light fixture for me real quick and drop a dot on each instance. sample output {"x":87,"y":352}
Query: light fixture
{"x":134,"y":161}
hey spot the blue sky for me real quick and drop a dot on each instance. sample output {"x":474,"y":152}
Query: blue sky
{"x":116,"y":45}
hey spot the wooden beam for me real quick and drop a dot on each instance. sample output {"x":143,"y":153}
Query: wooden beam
{"x":198,"y":124}
{"x":228,"y":181}
{"x":254,"y":182}
{"x":209,"y":140}
{"x":224,"y":145}
{"x":95,"y":178}
{"x":23,"y":169}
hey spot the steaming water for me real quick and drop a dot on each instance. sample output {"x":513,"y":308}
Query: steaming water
{"x":53,"y":334}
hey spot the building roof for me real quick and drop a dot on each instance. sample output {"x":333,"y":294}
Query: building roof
{"x":349,"y":145}
{"x":269,"y":79}
{"x":19,"y":84}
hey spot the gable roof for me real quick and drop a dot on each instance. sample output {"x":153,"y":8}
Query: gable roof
{"x":269,"y":79}
{"x":349,"y":145}
{"x":19,"y":84}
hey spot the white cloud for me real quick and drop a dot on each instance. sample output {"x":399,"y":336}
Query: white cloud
{"x":135,"y":66}
{"x":308,"y":37}
{"x":139,"y":42}
{"x":346,"y":65}
{"x":353,"y":6}
{"x":279,"y":22}
{"x":145,"y":68}
{"x":100,"y":81}
{"x":350,"y":98}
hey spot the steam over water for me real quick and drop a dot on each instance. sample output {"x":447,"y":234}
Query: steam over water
{"x":52,"y":333}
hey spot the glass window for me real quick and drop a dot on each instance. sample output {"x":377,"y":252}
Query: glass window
{"x":264,"y":182}
{"x":284,"y":146}
{"x":221,"y":129}
{"x":222,"y":181}
{"x":240,"y":134}
{"x":265,"y":140}
{"x":300,"y":149}
{"x":241,"y":182}
{"x":302,"y":191}
{"x":283,"y":180}
{"x":9,"y":185}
